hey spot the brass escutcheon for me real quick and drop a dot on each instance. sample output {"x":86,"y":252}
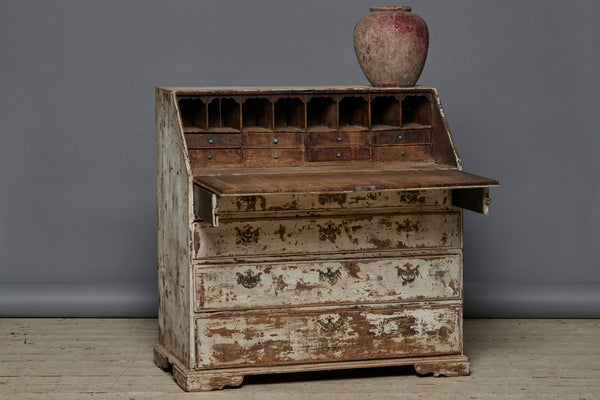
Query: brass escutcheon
{"x":407,"y":226}
{"x":331,"y":325}
{"x":408,"y":273}
{"x":330,"y":276}
{"x":248,"y":279}
{"x":329,"y":232}
{"x":246,"y":235}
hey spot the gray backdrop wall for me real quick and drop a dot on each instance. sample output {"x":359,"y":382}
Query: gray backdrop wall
{"x":518,"y":80}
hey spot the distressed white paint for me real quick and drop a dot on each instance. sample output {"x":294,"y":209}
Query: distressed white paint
{"x":276,"y":326}
{"x":305,"y":283}
{"x":353,"y":233}
{"x":280,"y":337}
{"x":174,"y":206}
{"x":232,"y":206}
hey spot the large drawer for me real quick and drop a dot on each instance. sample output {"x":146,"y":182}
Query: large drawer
{"x":243,"y":286}
{"x":356,"y":233}
{"x":307,"y":335}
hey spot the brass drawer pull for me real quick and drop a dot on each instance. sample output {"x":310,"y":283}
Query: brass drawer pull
{"x":408,"y":273}
{"x":330,"y":276}
{"x":329,"y":232}
{"x":246,"y":235}
{"x":248,"y":279}
{"x":330,"y":325}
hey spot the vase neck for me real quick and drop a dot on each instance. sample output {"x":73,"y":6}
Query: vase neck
{"x":391,"y":9}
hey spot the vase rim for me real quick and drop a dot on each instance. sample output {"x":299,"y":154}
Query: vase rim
{"x":391,"y":8}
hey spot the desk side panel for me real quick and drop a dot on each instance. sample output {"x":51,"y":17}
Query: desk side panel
{"x":173,"y":186}
{"x":443,"y":149}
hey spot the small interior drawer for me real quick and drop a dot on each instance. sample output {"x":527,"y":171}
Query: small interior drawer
{"x":274,"y":140}
{"x":213,"y":140}
{"x":338,"y":139}
{"x":338,"y":154}
{"x":399,"y":137}
{"x":210,"y":157}
{"x":402,"y":153}
{"x":274,"y":157}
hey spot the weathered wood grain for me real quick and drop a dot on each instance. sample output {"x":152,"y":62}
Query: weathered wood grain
{"x":443,"y":149}
{"x":207,"y":380}
{"x":339,"y":334}
{"x":175,"y":213}
{"x":324,"y":180}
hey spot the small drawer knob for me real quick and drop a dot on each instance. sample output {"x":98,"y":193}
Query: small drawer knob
{"x":339,"y":139}
{"x":399,"y":137}
{"x":210,"y":157}
{"x":401,"y":153}
{"x":210,"y":141}
{"x":275,"y":140}
{"x":276,"y":156}
{"x":338,"y":155}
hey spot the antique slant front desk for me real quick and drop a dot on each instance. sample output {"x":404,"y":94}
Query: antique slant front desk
{"x":308,"y":229}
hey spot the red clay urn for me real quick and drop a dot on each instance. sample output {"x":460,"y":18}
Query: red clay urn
{"x":391,"y":46}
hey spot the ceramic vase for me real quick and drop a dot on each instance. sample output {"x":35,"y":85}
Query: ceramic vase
{"x":391,"y":46}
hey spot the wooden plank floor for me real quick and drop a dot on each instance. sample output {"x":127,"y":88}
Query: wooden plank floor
{"x":112,"y":359}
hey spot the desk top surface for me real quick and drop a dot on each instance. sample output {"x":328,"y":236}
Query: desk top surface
{"x":351,"y":178}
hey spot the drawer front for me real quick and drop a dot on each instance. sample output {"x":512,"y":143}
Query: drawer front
{"x":337,"y":139}
{"x":241,"y":286}
{"x":402,"y":153}
{"x":274,"y":157}
{"x":214,"y":157}
{"x":409,"y":136}
{"x":332,"y":201}
{"x":339,"y":154}
{"x":328,"y":234}
{"x":309,"y":335}
{"x":274,"y":140}
{"x":213,"y":140}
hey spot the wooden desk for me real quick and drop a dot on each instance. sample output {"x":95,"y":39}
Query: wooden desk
{"x":306,"y":229}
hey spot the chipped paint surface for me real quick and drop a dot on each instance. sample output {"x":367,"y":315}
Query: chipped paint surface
{"x":230,"y":205}
{"x":306,"y":283}
{"x":313,"y":235}
{"x":291,"y":282}
{"x":173,"y":241}
{"x":308,"y":335}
